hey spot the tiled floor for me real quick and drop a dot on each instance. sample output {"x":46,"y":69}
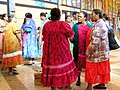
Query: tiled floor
{"x":25,"y":79}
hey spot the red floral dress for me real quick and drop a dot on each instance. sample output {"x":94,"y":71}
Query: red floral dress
{"x":58,"y":68}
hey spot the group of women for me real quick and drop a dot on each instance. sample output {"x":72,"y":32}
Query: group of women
{"x":59,"y":68}
{"x":90,"y":51}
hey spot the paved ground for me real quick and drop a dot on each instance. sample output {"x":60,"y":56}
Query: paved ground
{"x":25,"y":79}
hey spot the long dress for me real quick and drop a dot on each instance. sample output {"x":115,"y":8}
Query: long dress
{"x":97,"y":72}
{"x":82,"y":33}
{"x":58,"y":68}
{"x":12,"y":54}
{"x":79,"y":43}
{"x":29,"y":46}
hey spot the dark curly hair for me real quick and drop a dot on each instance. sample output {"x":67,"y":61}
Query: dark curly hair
{"x":28,"y":15}
{"x":55,"y":14}
{"x":98,"y":11}
{"x":105,"y":16}
{"x":43,"y":14}
{"x":3,"y":16}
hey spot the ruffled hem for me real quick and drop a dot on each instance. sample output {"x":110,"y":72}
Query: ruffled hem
{"x":12,"y":61}
{"x":97,"y":72}
{"x":59,"y":77}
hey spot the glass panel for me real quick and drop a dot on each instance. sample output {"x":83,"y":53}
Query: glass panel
{"x":46,"y":0}
{"x":55,"y":1}
{"x":83,"y":4}
{"x":74,"y":2}
{"x":69,"y":2}
{"x":64,"y":2}
{"x":78,"y":3}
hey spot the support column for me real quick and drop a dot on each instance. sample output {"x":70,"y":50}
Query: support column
{"x":58,"y":4}
{"x":10,"y":7}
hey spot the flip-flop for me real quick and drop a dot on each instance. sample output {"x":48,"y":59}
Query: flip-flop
{"x":14,"y":70}
{"x":99,"y":86}
{"x":15,"y":73}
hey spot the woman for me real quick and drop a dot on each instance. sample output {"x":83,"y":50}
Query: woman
{"x":3,"y":23}
{"x":97,"y":62}
{"x":29,"y":46}
{"x":58,"y":68}
{"x":68,"y":20}
{"x":12,"y":54}
{"x":40,"y":43}
{"x":81,"y":28}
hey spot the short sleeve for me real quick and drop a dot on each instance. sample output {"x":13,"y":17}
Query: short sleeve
{"x":67,"y":30}
{"x":15,"y":28}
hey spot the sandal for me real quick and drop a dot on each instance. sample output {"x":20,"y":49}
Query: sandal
{"x":99,"y":86}
{"x":14,"y":70}
{"x":15,"y":73}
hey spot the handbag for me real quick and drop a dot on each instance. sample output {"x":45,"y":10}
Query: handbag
{"x":112,"y":42}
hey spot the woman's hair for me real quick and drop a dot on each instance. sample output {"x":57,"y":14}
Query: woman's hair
{"x":67,"y":17}
{"x":84,"y":13}
{"x":98,"y":11}
{"x":43,"y":14}
{"x":55,"y":14}
{"x":28,"y":15}
{"x":74,"y":13}
{"x":24,"y":21}
{"x":3,"y":16}
{"x":105,"y":16}
{"x":11,"y":18}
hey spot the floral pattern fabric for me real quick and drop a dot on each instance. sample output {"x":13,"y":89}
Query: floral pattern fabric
{"x":12,"y":54}
{"x":58,"y":68}
{"x":30,"y":49}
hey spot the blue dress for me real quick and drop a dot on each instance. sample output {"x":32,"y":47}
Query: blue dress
{"x":30,"y":49}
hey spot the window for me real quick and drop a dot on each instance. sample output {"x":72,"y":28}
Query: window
{"x":46,"y":0}
{"x":55,"y":1}
{"x":78,"y":3}
{"x":69,"y":2}
{"x":74,"y":2}
{"x":64,"y":2}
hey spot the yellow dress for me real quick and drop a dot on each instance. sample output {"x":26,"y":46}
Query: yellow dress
{"x":12,"y":54}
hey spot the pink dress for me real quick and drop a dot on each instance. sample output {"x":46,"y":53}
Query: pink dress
{"x":58,"y":68}
{"x":82,"y":33}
